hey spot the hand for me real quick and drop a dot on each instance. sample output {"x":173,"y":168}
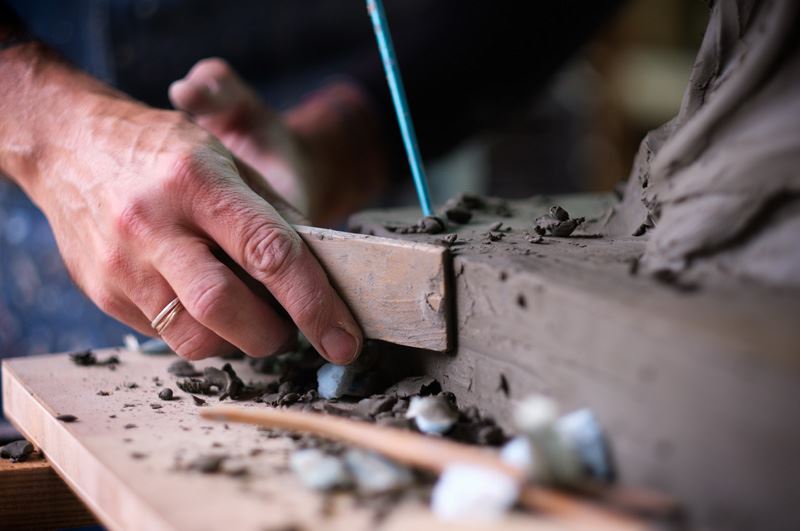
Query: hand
{"x":141,"y":201}
{"x":323,"y":156}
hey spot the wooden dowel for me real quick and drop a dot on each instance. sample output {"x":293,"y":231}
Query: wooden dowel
{"x":428,"y":453}
{"x":638,"y":501}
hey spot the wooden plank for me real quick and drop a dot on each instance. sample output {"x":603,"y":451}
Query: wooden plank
{"x":95,"y":455}
{"x":693,"y":386}
{"x":397,"y":290}
{"x":32,"y":496}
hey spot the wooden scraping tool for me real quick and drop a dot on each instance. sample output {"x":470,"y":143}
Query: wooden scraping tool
{"x":397,"y":290}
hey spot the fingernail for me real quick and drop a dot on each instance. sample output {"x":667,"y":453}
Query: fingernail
{"x":340,"y":346}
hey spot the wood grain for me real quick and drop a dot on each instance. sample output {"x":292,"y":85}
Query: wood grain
{"x":397,"y":290}
{"x":96,"y":456}
{"x":32,"y":496}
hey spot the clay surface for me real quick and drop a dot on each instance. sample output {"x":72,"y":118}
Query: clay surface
{"x":716,"y":188}
{"x":577,"y":319}
{"x":497,"y":228}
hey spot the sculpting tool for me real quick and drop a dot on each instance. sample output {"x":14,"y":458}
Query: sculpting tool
{"x":434,"y":454}
{"x":376,"y":10}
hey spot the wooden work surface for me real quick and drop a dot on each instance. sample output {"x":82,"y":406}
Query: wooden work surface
{"x":96,"y":455}
{"x":32,"y":496}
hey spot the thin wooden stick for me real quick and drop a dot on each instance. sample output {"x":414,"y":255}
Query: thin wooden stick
{"x":431,"y":454}
{"x":375,"y":8}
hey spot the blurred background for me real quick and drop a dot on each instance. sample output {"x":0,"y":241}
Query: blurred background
{"x":512,"y":101}
{"x":581,"y":132}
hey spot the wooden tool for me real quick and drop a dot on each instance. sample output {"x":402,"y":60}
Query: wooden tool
{"x":431,"y":454}
{"x":397,"y":290}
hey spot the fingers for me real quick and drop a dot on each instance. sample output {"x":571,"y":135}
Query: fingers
{"x":193,"y":97}
{"x":201,"y":91}
{"x":118,"y":305}
{"x":220,"y":302}
{"x":184,"y":334}
{"x":251,"y":232}
{"x":213,"y":88}
{"x":227,"y":107}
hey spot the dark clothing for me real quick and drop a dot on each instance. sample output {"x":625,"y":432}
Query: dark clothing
{"x":466,"y":64}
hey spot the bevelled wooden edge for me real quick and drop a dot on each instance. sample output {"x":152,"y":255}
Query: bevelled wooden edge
{"x":397,"y":290}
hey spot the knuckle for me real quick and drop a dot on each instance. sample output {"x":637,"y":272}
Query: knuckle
{"x":194,"y":343}
{"x":185,"y":173}
{"x":108,"y":302}
{"x":308,"y":306}
{"x":134,"y":220}
{"x":271,"y":251}
{"x":210,"y":300}
{"x":202,"y":163}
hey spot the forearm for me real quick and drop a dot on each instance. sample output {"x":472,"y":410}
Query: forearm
{"x":143,"y":201}
{"x":41,"y":98}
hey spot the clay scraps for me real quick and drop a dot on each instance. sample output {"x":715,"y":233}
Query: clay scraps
{"x":16,"y":451}
{"x":87,"y":358}
{"x":557,"y":222}
{"x":426,"y":225}
{"x":224,"y":381}
{"x":472,"y":202}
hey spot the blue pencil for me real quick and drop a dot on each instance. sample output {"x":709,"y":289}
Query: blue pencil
{"x":376,"y":10}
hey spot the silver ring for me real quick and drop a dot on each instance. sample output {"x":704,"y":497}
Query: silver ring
{"x":166,"y":316}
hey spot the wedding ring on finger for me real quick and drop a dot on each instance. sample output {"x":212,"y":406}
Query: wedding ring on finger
{"x":166,"y":316}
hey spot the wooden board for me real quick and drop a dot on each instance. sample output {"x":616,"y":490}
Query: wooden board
{"x":697,"y":388}
{"x":397,"y":290}
{"x":32,"y":496}
{"x":96,"y":456}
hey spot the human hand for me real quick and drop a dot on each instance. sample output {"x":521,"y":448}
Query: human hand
{"x":143,"y":201}
{"x":324,"y":156}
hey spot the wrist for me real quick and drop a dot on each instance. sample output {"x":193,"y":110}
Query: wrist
{"x":41,"y":99}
